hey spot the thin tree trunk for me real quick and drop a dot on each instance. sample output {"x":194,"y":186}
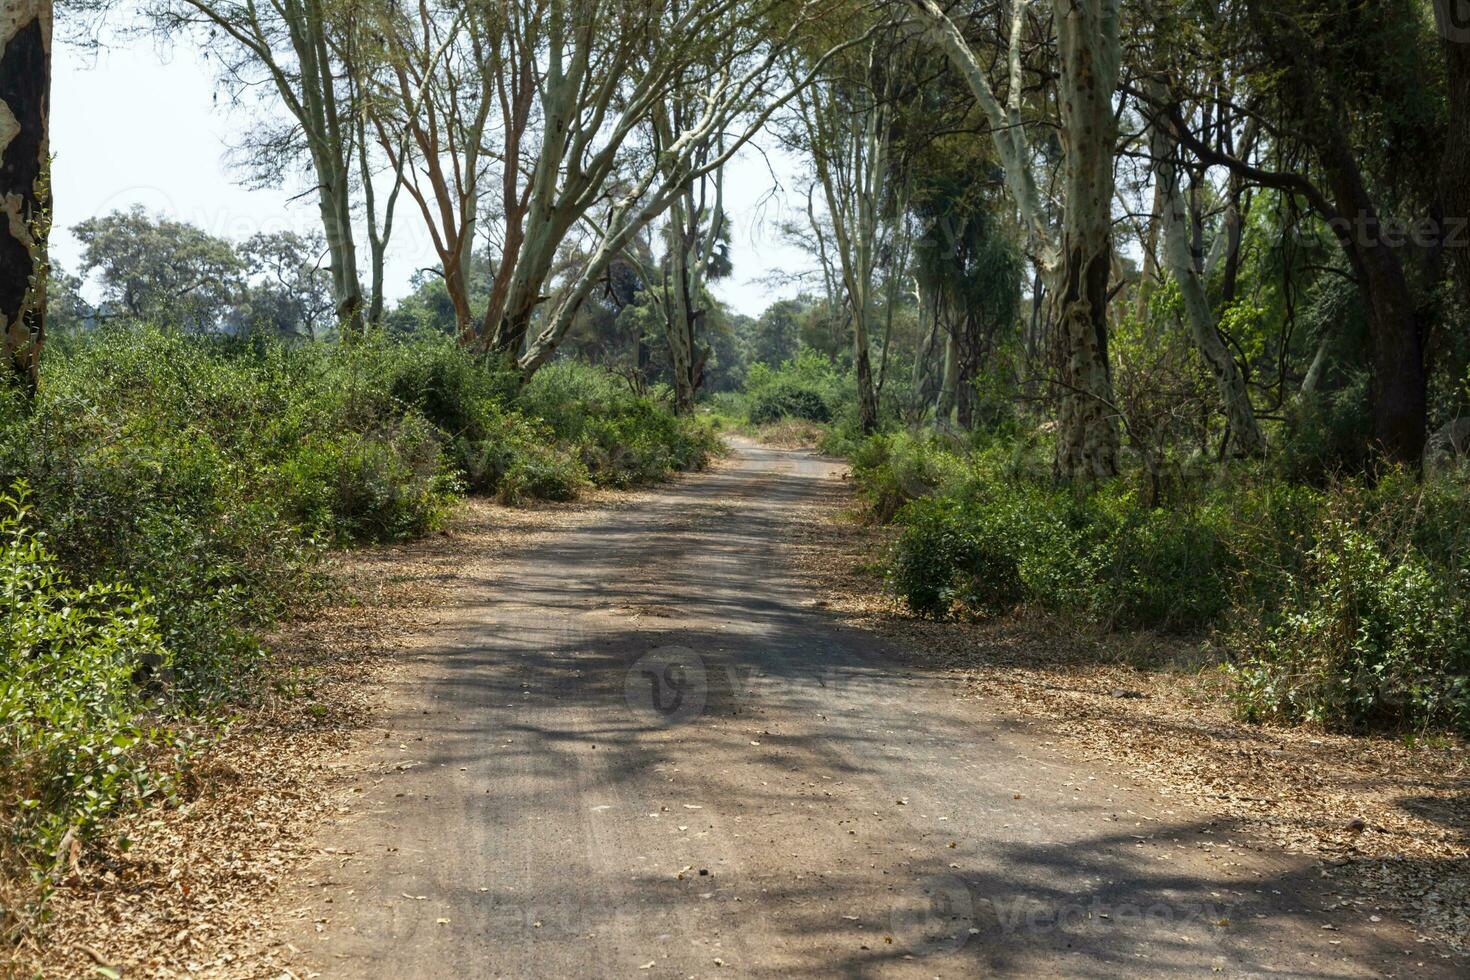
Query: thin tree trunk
{"x":25,"y":192}
{"x":1318,"y":367}
{"x":680,"y":312}
{"x":1245,"y":434}
{"x":949,"y":383}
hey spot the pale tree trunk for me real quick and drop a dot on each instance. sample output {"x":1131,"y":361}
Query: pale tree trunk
{"x":849,"y":148}
{"x":1318,"y":366}
{"x":307,"y":84}
{"x":548,"y":215}
{"x":379,"y":231}
{"x":1077,"y":268}
{"x":1008,"y":135}
{"x":322,"y":120}
{"x":734,"y":99}
{"x":704,"y":221}
{"x":681,"y":313}
{"x":949,"y":387}
{"x":1174,"y":214}
{"x":25,"y":192}
{"x":1088,"y":45}
{"x":430,"y":124}
{"x":1148,"y":279}
{"x":928,"y":340}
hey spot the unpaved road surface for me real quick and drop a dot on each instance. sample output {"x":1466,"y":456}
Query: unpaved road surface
{"x":643,"y":751}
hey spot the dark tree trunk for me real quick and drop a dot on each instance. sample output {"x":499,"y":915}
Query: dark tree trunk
{"x":1087,"y":431}
{"x":867,"y":395}
{"x":1400,"y":396}
{"x":1454,"y":18}
{"x":25,"y":191}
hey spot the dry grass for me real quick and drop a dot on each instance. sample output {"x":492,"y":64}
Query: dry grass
{"x":1385,"y":816}
{"x":790,"y":434}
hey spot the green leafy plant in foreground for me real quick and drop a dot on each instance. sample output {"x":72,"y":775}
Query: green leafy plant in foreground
{"x":81,"y":676}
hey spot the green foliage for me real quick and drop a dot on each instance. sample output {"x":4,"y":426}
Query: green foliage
{"x":1158,"y":568}
{"x":788,"y":400}
{"x":892,"y":470}
{"x":1327,"y":433}
{"x":1001,"y":543}
{"x":1346,"y":607}
{"x":622,"y":439}
{"x":1372,"y":629}
{"x":382,"y":485}
{"x":809,"y":387}
{"x":78,"y":721}
{"x":207,"y":474}
{"x":947,"y":555}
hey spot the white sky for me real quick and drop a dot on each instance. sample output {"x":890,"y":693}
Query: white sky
{"x":136,"y":125}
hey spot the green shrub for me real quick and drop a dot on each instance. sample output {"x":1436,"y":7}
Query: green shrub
{"x":78,"y":720}
{"x":622,"y":439}
{"x":809,"y":387}
{"x":185,"y":487}
{"x":380,"y":485}
{"x":892,"y":470}
{"x":1366,"y":640}
{"x":997,"y":545}
{"x":1158,"y":568}
{"x":1347,"y":607}
{"x":788,"y":400}
{"x":945,"y":556}
{"x":210,"y":471}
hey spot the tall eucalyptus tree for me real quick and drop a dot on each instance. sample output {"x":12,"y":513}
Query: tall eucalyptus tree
{"x":1177,"y":221}
{"x":1077,"y":259}
{"x":303,"y":51}
{"x":846,"y":123}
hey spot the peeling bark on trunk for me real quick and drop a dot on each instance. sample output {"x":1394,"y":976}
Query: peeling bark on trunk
{"x":25,"y":193}
{"x":1076,"y":272}
{"x":1087,"y":42}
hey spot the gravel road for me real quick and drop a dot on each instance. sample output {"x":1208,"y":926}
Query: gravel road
{"x":644,"y":751}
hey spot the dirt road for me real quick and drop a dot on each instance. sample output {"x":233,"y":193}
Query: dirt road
{"x":644,"y":751}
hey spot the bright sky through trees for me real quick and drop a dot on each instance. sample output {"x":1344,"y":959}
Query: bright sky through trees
{"x":95,"y":102}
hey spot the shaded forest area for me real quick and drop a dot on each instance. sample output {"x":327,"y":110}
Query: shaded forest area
{"x":1149,"y":313}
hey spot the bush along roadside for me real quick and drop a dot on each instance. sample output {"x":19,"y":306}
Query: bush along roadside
{"x":169,"y":497}
{"x":1345,"y":606}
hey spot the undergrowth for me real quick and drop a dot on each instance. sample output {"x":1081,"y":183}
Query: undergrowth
{"x":1346,"y":606}
{"x":178,"y":491}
